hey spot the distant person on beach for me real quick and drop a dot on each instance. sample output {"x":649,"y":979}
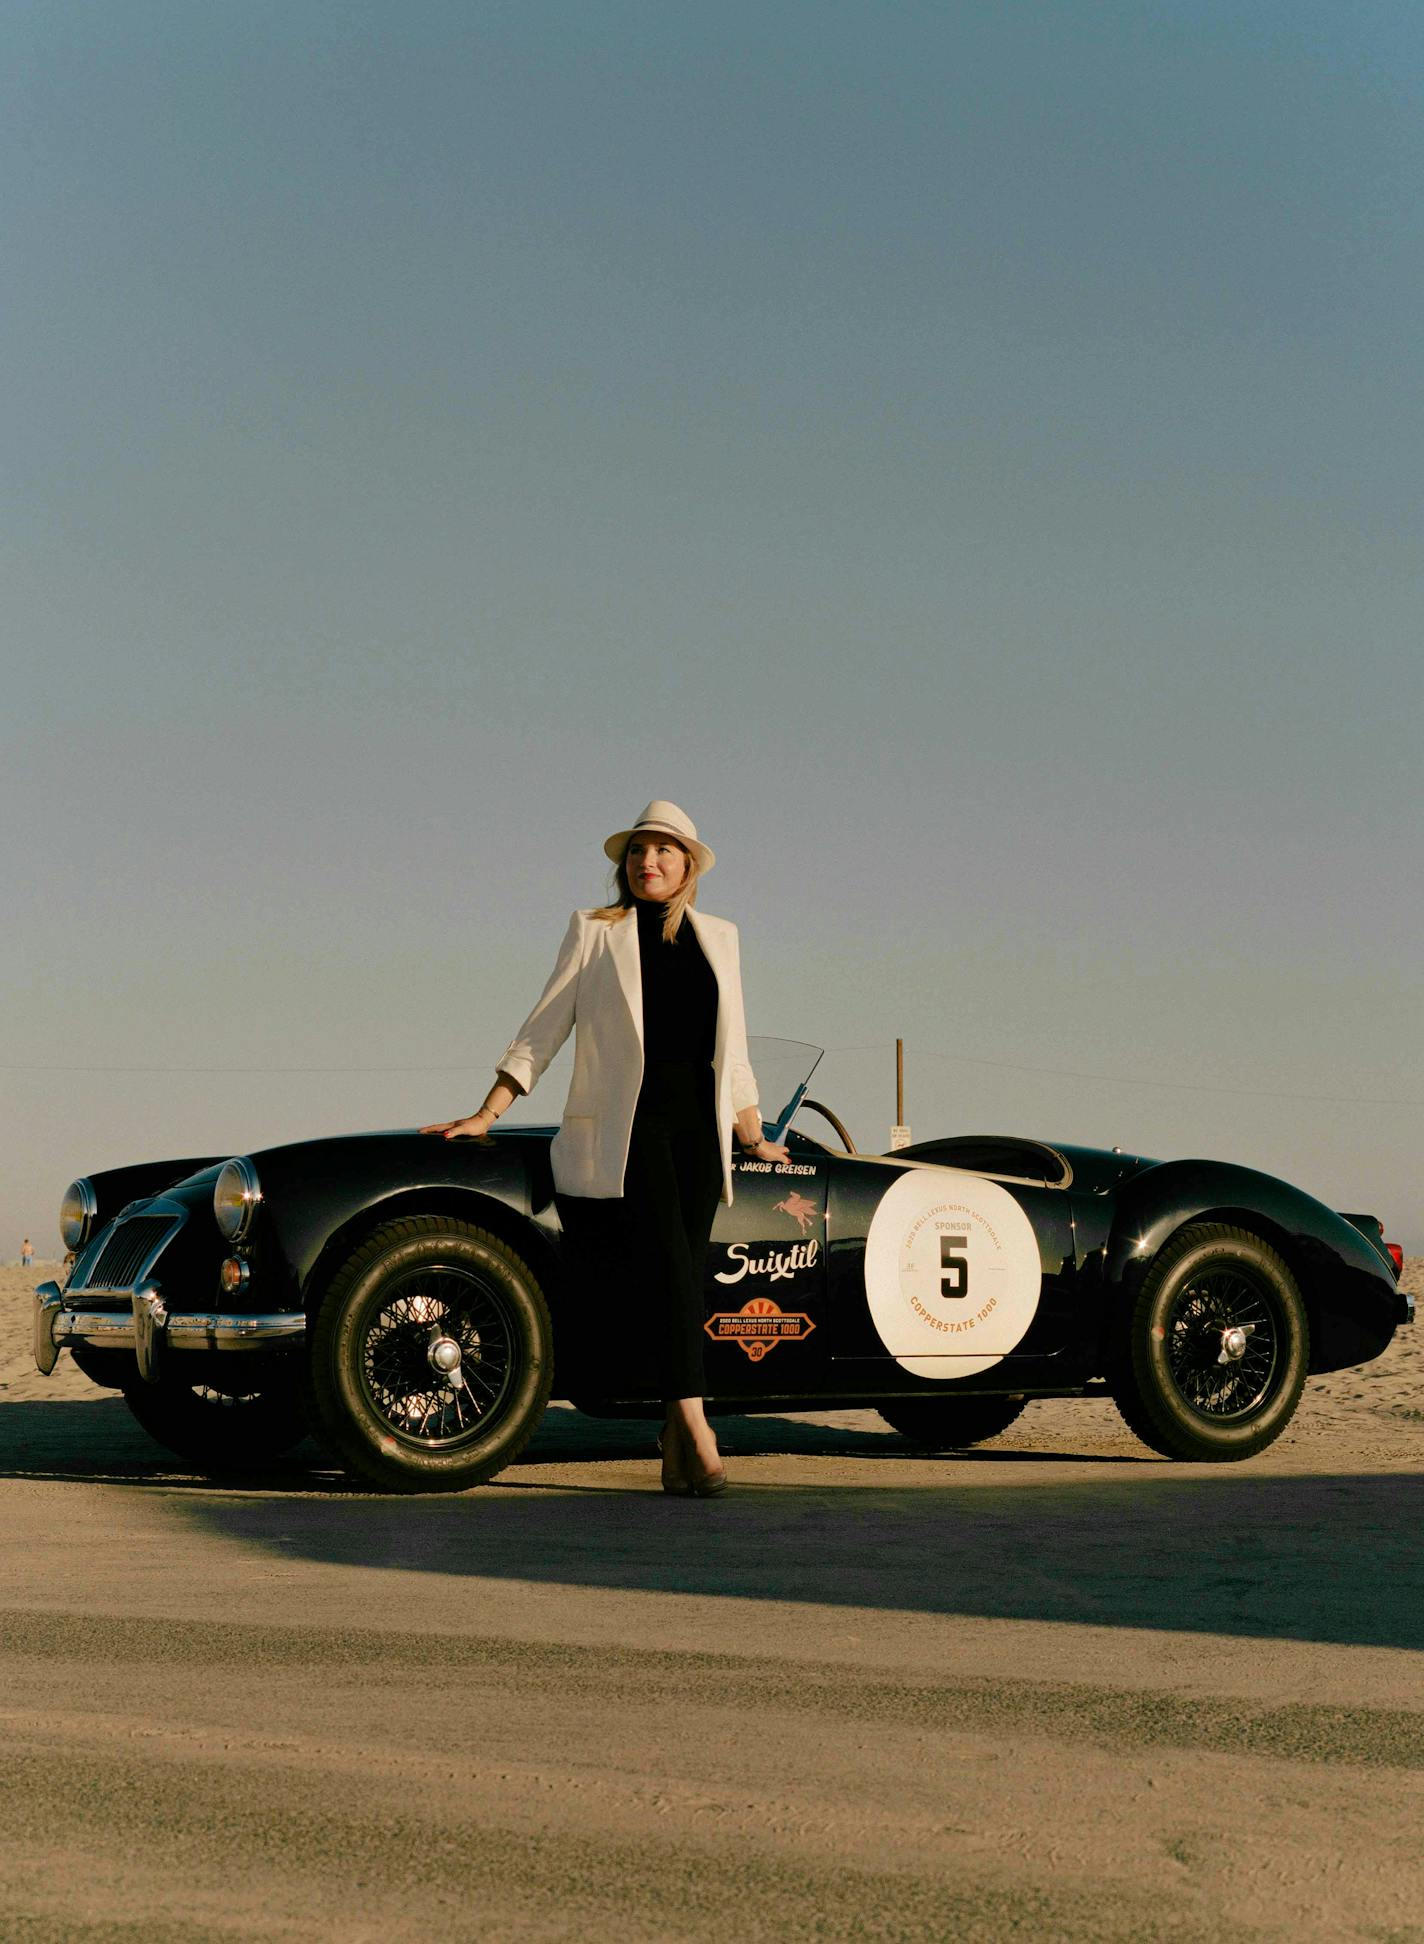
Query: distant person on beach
{"x":27,"y":1253}
{"x":661,"y":1081}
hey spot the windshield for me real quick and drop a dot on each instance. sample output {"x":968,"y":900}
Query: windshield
{"x":783,"y":1069}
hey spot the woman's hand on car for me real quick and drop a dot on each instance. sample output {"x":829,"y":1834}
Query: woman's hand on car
{"x":476,"y":1124}
{"x":768,"y":1151}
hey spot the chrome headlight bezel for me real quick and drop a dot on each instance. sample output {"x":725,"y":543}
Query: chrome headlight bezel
{"x":236,"y":1193}
{"x":78,"y":1211}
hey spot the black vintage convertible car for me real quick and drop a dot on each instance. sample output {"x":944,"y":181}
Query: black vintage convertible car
{"x":414,"y":1301}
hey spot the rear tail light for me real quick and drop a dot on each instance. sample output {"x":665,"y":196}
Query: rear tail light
{"x":1396,"y":1256}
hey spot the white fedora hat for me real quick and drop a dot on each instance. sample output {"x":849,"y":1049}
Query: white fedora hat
{"x":666,"y":820}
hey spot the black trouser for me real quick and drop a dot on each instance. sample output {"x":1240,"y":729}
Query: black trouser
{"x":671,"y":1188}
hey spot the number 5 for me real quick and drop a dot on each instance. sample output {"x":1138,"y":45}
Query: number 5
{"x":954,"y":1269}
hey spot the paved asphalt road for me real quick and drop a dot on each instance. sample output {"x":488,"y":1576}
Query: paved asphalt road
{"x":1058,"y":1691}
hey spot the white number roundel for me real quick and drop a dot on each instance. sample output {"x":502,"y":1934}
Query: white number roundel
{"x":952,"y":1272}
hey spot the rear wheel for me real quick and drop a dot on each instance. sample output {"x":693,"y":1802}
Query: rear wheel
{"x":1216,"y":1348}
{"x":431,"y":1356}
{"x":232,"y":1418}
{"x":950,"y":1423}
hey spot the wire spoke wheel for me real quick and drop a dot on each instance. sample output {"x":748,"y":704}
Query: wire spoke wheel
{"x":1214,"y":1351}
{"x":1216,"y":1371}
{"x":223,"y":1400}
{"x":430,"y":1356}
{"x":248,"y":1418}
{"x":441,"y":1304}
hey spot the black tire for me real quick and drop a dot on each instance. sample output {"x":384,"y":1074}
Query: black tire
{"x":951,"y":1423}
{"x":1179,"y":1384}
{"x":376,"y":1400}
{"x":238,"y":1418}
{"x":109,"y":1369}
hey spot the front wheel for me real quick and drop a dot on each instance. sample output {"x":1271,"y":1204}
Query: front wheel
{"x":431,"y":1356}
{"x":951,"y":1423}
{"x":232,"y":1418}
{"x":1216,"y":1349}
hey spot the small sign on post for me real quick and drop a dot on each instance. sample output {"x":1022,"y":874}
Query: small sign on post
{"x":899,"y":1137}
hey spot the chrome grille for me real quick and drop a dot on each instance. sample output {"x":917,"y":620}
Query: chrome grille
{"x":128,"y":1250}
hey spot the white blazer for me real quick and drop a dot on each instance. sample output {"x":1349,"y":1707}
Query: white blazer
{"x":596,"y":988}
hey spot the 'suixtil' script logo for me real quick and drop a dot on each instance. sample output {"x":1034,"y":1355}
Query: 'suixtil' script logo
{"x":777,"y":1265}
{"x":758,"y":1326}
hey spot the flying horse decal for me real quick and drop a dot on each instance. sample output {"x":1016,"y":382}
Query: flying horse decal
{"x":798,"y":1208}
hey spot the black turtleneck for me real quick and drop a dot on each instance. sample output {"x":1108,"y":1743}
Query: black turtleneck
{"x":679,"y":993}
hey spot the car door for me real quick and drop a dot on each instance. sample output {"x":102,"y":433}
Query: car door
{"x":765,"y":1297}
{"x":949,"y":1273}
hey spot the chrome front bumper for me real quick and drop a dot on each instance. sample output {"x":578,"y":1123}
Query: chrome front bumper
{"x":149,"y":1328}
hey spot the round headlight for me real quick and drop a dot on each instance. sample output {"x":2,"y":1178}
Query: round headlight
{"x":77,"y":1212}
{"x":235,"y":1198}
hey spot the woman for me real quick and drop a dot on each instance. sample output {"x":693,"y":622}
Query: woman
{"x":652,"y":990}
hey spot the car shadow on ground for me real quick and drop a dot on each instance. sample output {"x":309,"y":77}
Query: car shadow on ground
{"x":1323,"y":1558}
{"x":98,"y":1439}
{"x":1233,"y":1551}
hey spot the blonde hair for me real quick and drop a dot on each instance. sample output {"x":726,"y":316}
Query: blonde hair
{"x":624,"y":898}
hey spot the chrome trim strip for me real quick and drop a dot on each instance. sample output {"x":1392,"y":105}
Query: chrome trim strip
{"x":196,"y":1330}
{"x":899,"y":1159}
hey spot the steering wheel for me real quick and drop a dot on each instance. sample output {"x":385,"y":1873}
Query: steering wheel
{"x":836,"y":1122}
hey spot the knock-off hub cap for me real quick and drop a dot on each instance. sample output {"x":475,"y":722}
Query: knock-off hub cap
{"x":444,"y":1358}
{"x":1233,"y":1344}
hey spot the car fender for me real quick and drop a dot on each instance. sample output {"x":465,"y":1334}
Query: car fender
{"x":320,"y":1200}
{"x":1349,"y":1293}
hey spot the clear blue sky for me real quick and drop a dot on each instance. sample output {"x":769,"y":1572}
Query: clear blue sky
{"x":968,"y":456}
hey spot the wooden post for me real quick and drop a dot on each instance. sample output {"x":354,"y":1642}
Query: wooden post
{"x":899,"y":1133}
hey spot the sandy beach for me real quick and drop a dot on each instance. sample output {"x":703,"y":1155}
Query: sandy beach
{"x":1056,"y":1688}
